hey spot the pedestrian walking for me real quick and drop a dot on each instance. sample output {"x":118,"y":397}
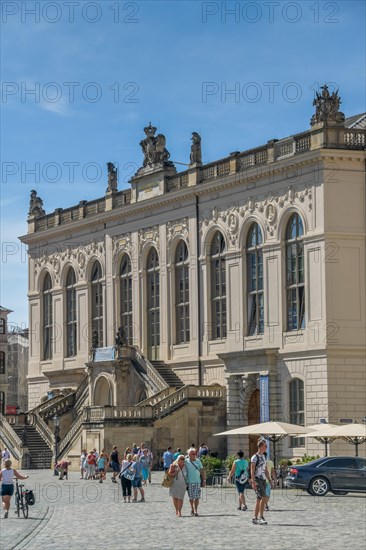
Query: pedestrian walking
{"x":272,"y":475}
{"x":177,"y":491}
{"x":125,"y":475}
{"x":195,"y":479}
{"x":238,"y":472}
{"x":102,"y":465}
{"x":137,"y":480}
{"x":144,"y":459}
{"x":90,"y":465}
{"x":168,"y":459}
{"x":177,"y":453}
{"x":258,"y":475}
{"x":202,"y":451}
{"x":114,"y":463}
{"x":82,"y":463}
{"x":7,"y":485}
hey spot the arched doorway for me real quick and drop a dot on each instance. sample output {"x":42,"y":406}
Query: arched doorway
{"x":102,"y":393}
{"x":253,"y":418}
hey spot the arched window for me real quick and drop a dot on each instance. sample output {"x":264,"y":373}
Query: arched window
{"x":153,"y":304}
{"x":2,"y":362}
{"x":297,"y":409}
{"x":218,"y":287}
{"x":47,"y":318}
{"x":2,"y":402}
{"x":255,"y":281}
{"x":70,"y":313}
{"x":97,"y":302}
{"x":295,"y":274}
{"x":2,"y":326}
{"x":182,"y":293}
{"x":126,"y":297}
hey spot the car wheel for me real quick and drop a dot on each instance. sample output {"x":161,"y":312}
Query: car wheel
{"x":319,"y":486}
{"x":309,"y":492}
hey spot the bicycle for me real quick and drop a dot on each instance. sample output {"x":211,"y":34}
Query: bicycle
{"x":20,"y":500}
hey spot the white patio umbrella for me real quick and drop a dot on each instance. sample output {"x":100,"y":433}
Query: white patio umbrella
{"x":353,"y":433}
{"x":274,"y":431}
{"x":325,"y":440}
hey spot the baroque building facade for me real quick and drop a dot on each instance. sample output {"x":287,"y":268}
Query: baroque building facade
{"x":246,"y":274}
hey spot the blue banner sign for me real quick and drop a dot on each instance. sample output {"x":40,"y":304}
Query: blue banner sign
{"x":104,"y":354}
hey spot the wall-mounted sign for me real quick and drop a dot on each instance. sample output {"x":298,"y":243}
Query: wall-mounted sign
{"x":104,"y":354}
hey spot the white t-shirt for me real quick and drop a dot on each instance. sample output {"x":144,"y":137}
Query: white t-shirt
{"x":7,"y":476}
{"x":260,"y":466}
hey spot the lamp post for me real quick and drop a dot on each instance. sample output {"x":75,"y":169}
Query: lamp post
{"x":56,"y":431}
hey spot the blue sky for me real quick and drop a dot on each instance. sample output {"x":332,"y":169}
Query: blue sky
{"x":101,"y":73}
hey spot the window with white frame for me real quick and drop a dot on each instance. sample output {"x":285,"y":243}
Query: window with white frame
{"x":182,"y":293}
{"x":153,"y":303}
{"x":126,"y":297}
{"x":255,"y":302}
{"x":70,"y":313}
{"x":295,"y":285}
{"x":218,"y":287}
{"x":47,"y":318}
{"x":97,"y":302}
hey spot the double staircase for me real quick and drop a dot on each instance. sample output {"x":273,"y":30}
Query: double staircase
{"x":40,"y":454}
{"x":167,"y":373}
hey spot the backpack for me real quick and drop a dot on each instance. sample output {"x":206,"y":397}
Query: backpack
{"x":249,"y":473}
{"x":30,"y":498}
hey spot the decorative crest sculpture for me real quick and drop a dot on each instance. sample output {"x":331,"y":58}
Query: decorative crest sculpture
{"x":35,"y":205}
{"x":327,"y":107}
{"x":112,"y":178}
{"x":196,"y":153}
{"x":153,"y":147}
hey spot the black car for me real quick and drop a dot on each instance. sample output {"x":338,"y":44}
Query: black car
{"x":338,"y":474}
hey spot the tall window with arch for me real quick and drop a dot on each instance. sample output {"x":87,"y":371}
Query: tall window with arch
{"x":2,"y":326}
{"x":70,"y":313}
{"x":97,"y":302}
{"x":126,"y":297}
{"x":182,"y":293}
{"x":2,"y":362}
{"x":153,"y":304}
{"x":255,"y":281}
{"x":218,"y":286}
{"x":47,"y":318}
{"x":295,"y":287}
{"x":297,"y":409}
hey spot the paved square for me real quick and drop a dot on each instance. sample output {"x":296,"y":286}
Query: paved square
{"x":78,"y":514}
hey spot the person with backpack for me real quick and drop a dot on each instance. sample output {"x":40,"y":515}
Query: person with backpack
{"x":239,"y":470}
{"x":258,"y":475}
{"x":126,"y":476}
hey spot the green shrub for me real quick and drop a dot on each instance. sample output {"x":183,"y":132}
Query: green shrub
{"x":210,"y":464}
{"x":284,"y":462}
{"x":229,"y":460}
{"x":306,"y":458}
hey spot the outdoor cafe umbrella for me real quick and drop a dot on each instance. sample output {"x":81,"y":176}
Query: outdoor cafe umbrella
{"x":353,"y":433}
{"x":274,"y":431}
{"x":323,"y":439}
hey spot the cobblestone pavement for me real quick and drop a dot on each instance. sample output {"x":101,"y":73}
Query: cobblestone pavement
{"x":78,"y":514}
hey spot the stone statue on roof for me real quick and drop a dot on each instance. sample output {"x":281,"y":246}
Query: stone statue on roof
{"x":196,"y":153}
{"x":153,"y":148}
{"x":112,"y":178}
{"x":327,"y":107}
{"x":35,"y":205}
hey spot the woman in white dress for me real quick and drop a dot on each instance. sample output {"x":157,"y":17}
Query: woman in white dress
{"x":177,"y":491}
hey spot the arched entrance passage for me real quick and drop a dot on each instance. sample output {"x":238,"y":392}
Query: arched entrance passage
{"x":102,"y":393}
{"x":253,"y":418}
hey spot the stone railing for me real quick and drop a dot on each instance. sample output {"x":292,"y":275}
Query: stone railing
{"x":165,"y":406}
{"x":265,"y":154}
{"x":79,"y":394}
{"x":157,"y":380}
{"x":11,"y":439}
{"x":72,"y":434}
{"x":100,"y":414}
{"x":355,"y":139}
{"x":157,"y":397}
{"x":35,"y":420}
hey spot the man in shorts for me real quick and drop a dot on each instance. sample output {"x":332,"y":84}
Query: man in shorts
{"x":258,"y":475}
{"x":272,"y":475}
